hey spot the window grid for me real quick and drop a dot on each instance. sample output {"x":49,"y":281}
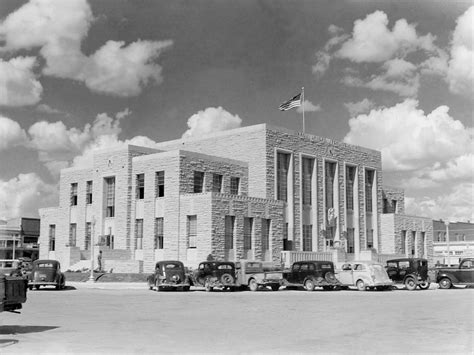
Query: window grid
{"x":350,"y":240}
{"x":159,"y":233}
{"x":110,"y":196}
{"x":89,"y":192}
{"x":74,"y":194}
{"x":52,"y":237}
{"x":283,"y":166}
{"x":192,"y":231}
{"x":266,"y":234}
{"x":87,"y":241}
{"x":403,"y":242}
{"x":369,"y":181}
{"x":248,"y":228}
{"x":370,"y":238}
{"x":72,"y":234}
{"x":350,"y":177}
{"x":198,"y":181}
{"x":140,"y":187}
{"x":160,"y":184}
{"x":307,"y":237}
{"x":229,"y":232}
{"x":234,"y":185}
{"x":216,"y":183}
{"x":330,"y":172}
{"x":139,"y":234}
{"x":308,"y":164}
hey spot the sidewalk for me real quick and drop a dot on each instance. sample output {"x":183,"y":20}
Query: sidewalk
{"x":108,"y":285}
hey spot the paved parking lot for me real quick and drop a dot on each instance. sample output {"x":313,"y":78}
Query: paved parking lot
{"x":111,"y":321}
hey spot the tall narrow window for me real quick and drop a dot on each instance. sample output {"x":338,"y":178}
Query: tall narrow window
{"x":229,"y":232}
{"x":422,"y":244}
{"x":74,"y":194}
{"x":140,"y":187}
{"x":89,"y":192}
{"x":216,"y":183}
{"x":248,"y":228}
{"x":110,"y":196}
{"x":266,"y":234}
{"x":350,"y":240}
{"x":369,"y":181}
{"x":413,"y":245}
{"x":403,"y":242}
{"x":234,"y":185}
{"x":370,"y":238}
{"x":330,"y":175}
{"x":87,"y":241}
{"x":72,"y":234}
{"x":192,"y":231}
{"x":159,"y":233}
{"x":283,"y":167}
{"x":160,"y":184}
{"x":52,"y":237}
{"x":350,"y":177}
{"x":307,"y":237}
{"x":198,"y":181}
{"x":308,"y":164}
{"x":139,"y":234}
{"x":394,"y":206}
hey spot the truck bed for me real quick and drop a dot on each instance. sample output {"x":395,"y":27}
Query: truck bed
{"x":12,"y":292}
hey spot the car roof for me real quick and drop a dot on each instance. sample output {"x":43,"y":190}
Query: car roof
{"x":169,"y":262}
{"x":313,"y":261}
{"x":41,"y":261}
{"x":218,"y":262}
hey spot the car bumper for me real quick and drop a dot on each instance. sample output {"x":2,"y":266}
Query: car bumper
{"x":42,"y":283}
{"x":173,"y":285}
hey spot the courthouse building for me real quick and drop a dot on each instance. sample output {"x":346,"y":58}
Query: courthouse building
{"x":246,"y":193}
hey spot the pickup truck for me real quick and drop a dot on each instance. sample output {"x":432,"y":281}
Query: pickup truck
{"x":255,"y":274}
{"x":446,"y":277}
{"x":12,"y":292}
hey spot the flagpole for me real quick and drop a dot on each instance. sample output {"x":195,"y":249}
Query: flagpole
{"x":302,"y":104}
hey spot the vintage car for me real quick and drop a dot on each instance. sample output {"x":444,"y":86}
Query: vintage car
{"x":46,"y":273}
{"x":169,"y":274}
{"x":364,"y":275}
{"x":216,"y":274}
{"x":12,"y":292}
{"x":463,"y":274}
{"x":255,"y":274}
{"x":411,"y":272}
{"x":7,"y":267}
{"x":311,"y":274}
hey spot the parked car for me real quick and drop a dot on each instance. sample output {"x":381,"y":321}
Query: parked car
{"x":311,"y":274}
{"x":169,"y":274}
{"x":411,"y":272}
{"x":216,"y":274}
{"x":13,"y":291}
{"x":46,"y":273}
{"x":364,"y":275}
{"x":9,"y":266}
{"x":462,"y":275}
{"x":253,"y":274}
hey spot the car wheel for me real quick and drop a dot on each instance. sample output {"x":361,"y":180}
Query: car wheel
{"x":253,"y":285}
{"x":275,"y":287}
{"x":410,"y":284}
{"x":227,"y":279}
{"x":309,"y":285}
{"x":30,"y":288}
{"x":186,"y":288}
{"x":424,"y":285}
{"x":445,"y":283}
{"x":37,"y":287}
{"x":58,"y":287}
{"x":361,"y":285}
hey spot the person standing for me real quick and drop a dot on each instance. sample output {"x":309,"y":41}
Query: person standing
{"x":99,"y":261}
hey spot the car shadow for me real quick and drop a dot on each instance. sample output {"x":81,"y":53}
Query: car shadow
{"x":66,"y":288}
{"x":24,"y":329}
{"x":7,"y":342}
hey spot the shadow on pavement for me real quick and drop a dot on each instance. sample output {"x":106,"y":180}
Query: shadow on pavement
{"x":66,"y":288}
{"x":23,"y":329}
{"x":7,"y":342}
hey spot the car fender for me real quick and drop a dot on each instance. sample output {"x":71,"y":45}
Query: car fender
{"x":412,"y":276}
{"x":448,"y":275}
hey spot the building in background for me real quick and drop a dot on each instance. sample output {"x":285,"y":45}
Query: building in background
{"x":461,"y":241}
{"x":19,"y":238}
{"x":249,"y":193}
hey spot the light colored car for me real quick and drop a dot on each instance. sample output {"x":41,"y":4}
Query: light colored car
{"x":364,"y":275}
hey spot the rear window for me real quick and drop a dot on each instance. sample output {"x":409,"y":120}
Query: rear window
{"x":325,"y":266}
{"x":392,"y":264}
{"x":404,"y":264}
{"x":171,"y":266}
{"x":46,"y":265}
{"x":224,"y":267}
{"x":423,"y":262}
{"x":359,"y":267}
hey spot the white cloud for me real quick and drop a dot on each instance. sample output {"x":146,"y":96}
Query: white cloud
{"x":461,"y":69}
{"x":408,"y":138}
{"x":308,"y":107}
{"x":324,"y":56}
{"x":44,"y":108}
{"x":18,"y":83}
{"x":24,"y":194}
{"x":211,"y":120}
{"x":11,"y":134}
{"x":363,"y":106}
{"x":373,"y":41}
{"x":59,"y":27}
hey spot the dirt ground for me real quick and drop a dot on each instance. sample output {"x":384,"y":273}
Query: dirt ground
{"x":105,"y":321}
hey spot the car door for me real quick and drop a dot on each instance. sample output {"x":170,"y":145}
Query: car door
{"x":466,"y":272}
{"x":359,"y":272}
{"x":294,"y":274}
{"x":345,"y":275}
{"x":392,"y":271}
{"x":304,"y":272}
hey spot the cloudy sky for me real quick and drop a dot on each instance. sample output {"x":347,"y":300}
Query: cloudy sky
{"x":396,"y":76}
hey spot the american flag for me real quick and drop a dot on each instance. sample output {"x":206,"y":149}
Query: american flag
{"x":294,"y":102}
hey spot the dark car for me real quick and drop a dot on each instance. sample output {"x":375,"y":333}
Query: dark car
{"x":169,"y":274}
{"x":311,"y":274}
{"x":411,"y":272}
{"x":216,"y":274}
{"x":46,"y":273}
{"x":463,"y":274}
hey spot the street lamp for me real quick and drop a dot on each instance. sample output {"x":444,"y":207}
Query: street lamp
{"x":91,"y":277}
{"x":447,"y":242}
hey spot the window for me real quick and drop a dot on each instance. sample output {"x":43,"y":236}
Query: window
{"x":350,"y":177}
{"x":87,"y":241}
{"x":350,"y":240}
{"x":330,"y":174}
{"x":216,"y":183}
{"x":192,"y":231}
{"x":140,"y":187}
{"x":308,"y":164}
{"x":110,"y":196}
{"x":198,"y":181}
{"x":74,"y":194}
{"x":369,"y":181}
{"x":234,"y":185}
{"x":89,"y":192}
{"x":160,"y":184}
{"x":403,"y":241}
{"x":307,"y":237}
{"x":413,"y":246}
{"x":370,"y":238}
{"x":72,"y":234}
{"x":283,"y":167}
{"x":139,"y":234}
{"x":422,"y":243}
{"x":248,"y":228}
{"x":394,"y":206}
{"x":52,"y":237}
{"x":329,"y":243}
{"x":266,"y":223}
{"x":229,"y":232}
{"x":159,"y":230}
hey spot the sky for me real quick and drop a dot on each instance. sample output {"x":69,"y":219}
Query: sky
{"x":395,"y":76}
